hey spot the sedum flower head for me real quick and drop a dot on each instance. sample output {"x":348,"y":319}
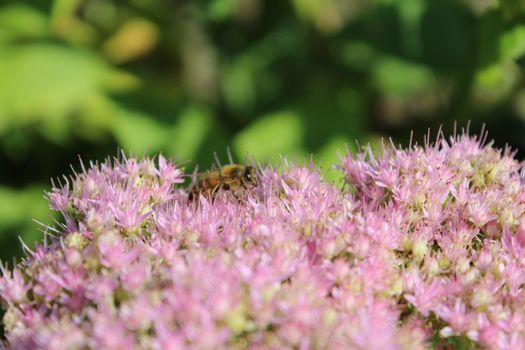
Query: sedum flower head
{"x":419,"y":249}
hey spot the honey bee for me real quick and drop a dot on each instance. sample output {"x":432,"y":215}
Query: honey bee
{"x":233,"y":177}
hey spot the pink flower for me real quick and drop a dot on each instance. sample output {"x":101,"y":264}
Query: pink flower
{"x":457,"y":316}
{"x":375,"y":328}
{"x":59,"y":198}
{"x":13,"y":288}
{"x":426,"y":296}
{"x":422,"y":244}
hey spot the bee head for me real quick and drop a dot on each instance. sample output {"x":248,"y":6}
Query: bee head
{"x":250,"y":175}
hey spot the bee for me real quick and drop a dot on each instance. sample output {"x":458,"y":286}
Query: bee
{"x":233,"y":177}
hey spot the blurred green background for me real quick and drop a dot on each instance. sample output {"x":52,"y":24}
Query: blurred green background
{"x":187,"y":78}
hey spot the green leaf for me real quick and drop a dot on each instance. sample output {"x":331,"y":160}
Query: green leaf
{"x":47,"y":83}
{"x":512,"y":43}
{"x":494,"y":83}
{"x":454,"y":342}
{"x":512,"y":9}
{"x":280,"y":132}
{"x":22,"y":205}
{"x":308,"y":9}
{"x":490,"y":75}
{"x":329,"y":155}
{"x":220,"y":10}
{"x":18,"y":208}
{"x":238,"y":84}
{"x":189,"y":132}
{"x":395,"y":76}
{"x":64,"y":8}
{"x":140,"y":133}
{"x":18,"y":20}
{"x":411,"y":13}
{"x":358,"y":54}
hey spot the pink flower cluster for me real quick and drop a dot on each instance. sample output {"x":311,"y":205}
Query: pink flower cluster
{"x":417,"y":249}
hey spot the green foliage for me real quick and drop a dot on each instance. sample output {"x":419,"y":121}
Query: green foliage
{"x":296,"y":77}
{"x":513,"y":43}
{"x":271,"y":134}
{"x":17,"y":207}
{"x":453,"y":343}
{"x":393,"y":76}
